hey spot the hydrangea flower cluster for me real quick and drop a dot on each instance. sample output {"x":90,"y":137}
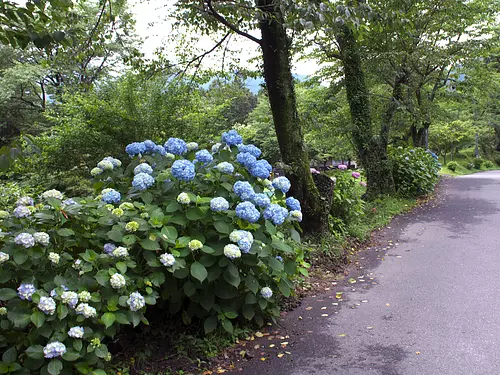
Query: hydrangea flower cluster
{"x":52,"y":194}
{"x":183,"y":170}
{"x":356,"y":174}
{"x":219,"y":204}
{"x":25,"y":291}
{"x":25,"y":240}
{"x":4,"y":257}
{"x":251,"y":149}
{"x":276,"y":214}
{"x":246,"y":159}
{"x":54,"y":257}
{"x":108,"y":248}
{"x":176,"y":146}
{"x":47,"y":305}
{"x":261,"y":169}
{"x":21,"y":211}
{"x":232,"y":138}
{"x":195,"y":245}
{"x":261,"y":200}
{"x":216,"y":147}
{"x":293,"y":204}
{"x":282,"y":183}
{"x":225,"y":167}
{"x":296,"y":215}
{"x":232,"y":251}
{"x":243,"y":238}
{"x":117,"y":281}
{"x":136,"y":301}
{"x":41,"y":238}
{"x":244,"y":190}
{"x":143,"y":168}
{"x":25,"y":201}
{"x":86,"y":310}
{"x":183,"y":198}
{"x":142,"y":181}
{"x":192,"y":146}
{"x":70,"y":298}
{"x":204,"y":156}
{"x":120,"y":252}
{"x":135,"y":148}
{"x":167,"y":260}
{"x":132,"y":226}
{"x":76,"y":332}
{"x":266,"y":292}
{"x":54,"y":349}
{"x":247,"y":211}
{"x":111,"y":196}
{"x":84,"y":296}
{"x":342,"y":167}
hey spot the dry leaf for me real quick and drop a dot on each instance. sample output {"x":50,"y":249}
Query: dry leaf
{"x":262,"y":359}
{"x":259,"y":334}
{"x":324,"y":315}
{"x":280,"y":355}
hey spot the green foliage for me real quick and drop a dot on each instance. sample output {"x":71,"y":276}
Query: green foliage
{"x":452,"y":166}
{"x":477,"y":163}
{"x":415,"y":171}
{"x":203,"y":283}
{"x":347,"y":205}
{"x":488,"y":164}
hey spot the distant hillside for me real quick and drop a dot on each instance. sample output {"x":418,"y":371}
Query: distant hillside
{"x":255,"y":84}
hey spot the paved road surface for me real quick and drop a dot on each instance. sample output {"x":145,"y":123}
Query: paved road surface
{"x":435,"y":308}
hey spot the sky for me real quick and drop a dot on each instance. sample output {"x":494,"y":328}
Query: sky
{"x":154,"y":27}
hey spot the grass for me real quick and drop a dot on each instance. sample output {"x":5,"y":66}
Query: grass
{"x":464,"y":159}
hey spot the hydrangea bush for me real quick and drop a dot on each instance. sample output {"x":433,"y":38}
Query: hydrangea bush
{"x":415,"y":171}
{"x":205,"y":234}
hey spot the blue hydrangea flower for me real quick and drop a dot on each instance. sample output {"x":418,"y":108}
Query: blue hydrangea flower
{"x":261,"y":169}
{"x":232,"y":138}
{"x":53,"y":292}
{"x":176,"y":146}
{"x":143,"y":181}
{"x":135,"y":148}
{"x":111,"y":196}
{"x":204,"y":156}
{"x":243,"y":238}
{"x":25,"y":240}
{"x":293,"y":204}
{"x":108,"y":248}
{"x":261,"y":200}
{"x":216,"y":148}
{"x":282,"y":183}
{"x":225,"y":167}
{"x":247,"y":211}
{"x":21,"y":211}
{"x":149,"y":146}
{"x":244,"y":190}
{"x":25,"y":201}
{"x":251,"y":149}
{"x":219,"y":204}
{"x":69,"y":202}
{"x":25,"y":291}
{"x":143,"y":168}
{"x":246,"y":159}
{"x":54,"y":349}
{"x":183,"y":170}
{"x":115,"y":162}
{"x":279,"y":258}
{"x":276,"y":214}
{"x":159,"y":149}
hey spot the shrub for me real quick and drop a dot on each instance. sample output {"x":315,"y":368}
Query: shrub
{"x":415,"y":171}
{"x":192,"y":231}
{"x":488,"y":164}
{"x":452,"y":166}
{"x":347,"y":204}
{"x":496,"y":157}
{"x":477,"y":163}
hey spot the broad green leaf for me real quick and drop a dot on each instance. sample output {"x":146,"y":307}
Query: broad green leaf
{"x":198,"y":271}
{"x":38,"y":318}
{"x":148,"y":244}
{"x":35,"y":351}
{"x":65,"y":232}
{"x":248,"y":312}
{"x":210,"y":324}
{"x":223,"y":227}
{"x":10,"y":355}
{"x":227,"y":325}
{"x":54,"y":367}
{"x":7,"y":294}
{"x":102,"y":277}
{"x":252,"y":283}
{"x":108,"y":319}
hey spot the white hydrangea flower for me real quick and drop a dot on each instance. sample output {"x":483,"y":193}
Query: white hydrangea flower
{"x":191,"y":146}
{"x":52,"y":194}
{"x":69,"y":298}
{"x":86,"y":310}
{"x":77,"y":264}
{"x":120,"y":252}
{"x":136,"y":301}
{"x":167,"y":260}
{"x":96,"y":171}
{"x":105,"y":165}
{"x":266,"y":292}
{"x":76,"y":332}
{"x":84,"y":296}
{"x":42,"y":238}
{"x":232,"y":251}
{"x":296,"y":215}
{"x":54,"y":349}
{"x":4,"y":257}
{"x":117,"y":281}
{"x":183,"y":198}
{"x":47,"y":305}
{"x":3,"y":311}
{"x":195,"y":245}
{"x":54,"y":257}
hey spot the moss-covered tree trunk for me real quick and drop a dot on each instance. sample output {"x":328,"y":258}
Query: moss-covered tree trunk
{"x":371,"y":148}
{"x":275,"y":46}
{"x":497,"y":134}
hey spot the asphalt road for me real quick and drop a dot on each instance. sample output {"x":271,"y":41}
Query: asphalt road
{"x":425,"y":302}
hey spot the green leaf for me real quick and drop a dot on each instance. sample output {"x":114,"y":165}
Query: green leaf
{"x":173,"y":206}
{"x":7,"y":294}
{"x":207,"y":301}
{"x":115,"y":235}
{"x":148,"y":244}
{"x":147,"y":197}
{"x":10,"y":355}
{"x":295,"y":235}
{"x":189,"y":288}
{"x":102,"y":277}
{"x":252,"y":283}
{"x":122,"y":267}
{"x":223,"y":227}
{"x":35,"y":352}
{"x":270,"y":228}
{"x":78,"y":345}
{"x":248,"y":312}
{"x":195,"y":213}
{"x":234,"y":281}
{"x":108,"y":319}
{"x":38,"y":318}
{"x":275,"y":264}
{"x":55,"y":366}
{"x":198,"y":271}
{"x":65,"y":232}
{"x":210,"y":324}
{"x":20,"y":257}
{"x":284,"y":288}
{"x":227,"y":325}
{"x":281,"y":245}
{"x":99,"y":372}
{"x":170,"y":232}
{"x":129,"y":239}
{"x":62,"y":311}
{"x":157,"y":278}
{"x":290,"y":267}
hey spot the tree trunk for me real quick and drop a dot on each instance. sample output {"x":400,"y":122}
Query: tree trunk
{"x":497,"y":133}
{"x":372,"y":151}
{"x":279,"y":82}
{"x":418,"y":136}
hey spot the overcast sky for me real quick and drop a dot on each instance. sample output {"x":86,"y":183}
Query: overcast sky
{"x":154,"y":28}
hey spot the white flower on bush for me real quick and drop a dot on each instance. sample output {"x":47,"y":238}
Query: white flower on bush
{"x":41,"y":238}
{"x":54,"y":257}
{"x":96,"y":171}
{"x":84,"y":296}
{"x":70,"y":298}
{"x":296,"y":215}
{"x":26,"y":291}
{"x":136,"y":301}
{"x":76,"y":332}
{"x":167,"y":260}
{"x":25,"y":240}
{"x":86,"y":310}
{"x":3,"y":311}
{"x":47,"y":305}
{"x":191,"y":146}
{"x":117,"y":281}
{"x":52,"y":194}
{"x":195,"y":245}
{"x":120,"y":252}
{"x":126,"y":206}
{"x":266,"y":292}
{"x":4,"y":257}
{"x":105,"y":165}
{"x":54,"y":349}
{"x":232,"y":251}
{"x":183,"y":198}
{"x":77,"y":264}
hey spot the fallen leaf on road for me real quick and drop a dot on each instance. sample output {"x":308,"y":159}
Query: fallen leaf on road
{"x":341,"y":335}
{"x":324,"y":315}
{"x":309,"y":308}
{"x":259,"y":334}
{"x":280,"y":355}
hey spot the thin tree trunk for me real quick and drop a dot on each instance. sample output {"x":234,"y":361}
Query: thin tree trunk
{"x":372,"y":151}
{"x":497,"y":133}
{"x":279,"y":82}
